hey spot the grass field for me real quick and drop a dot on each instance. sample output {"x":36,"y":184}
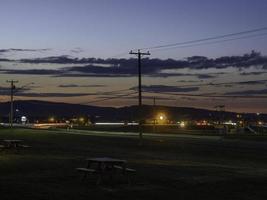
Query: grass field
{"x":173,"y":129}
{"x":180,"y":168}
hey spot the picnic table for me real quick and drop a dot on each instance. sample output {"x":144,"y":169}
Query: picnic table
{"x":13,"y":144}
{"x":105,"y":166}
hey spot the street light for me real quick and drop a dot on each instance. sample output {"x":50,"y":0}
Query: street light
{"x":161,"y":118}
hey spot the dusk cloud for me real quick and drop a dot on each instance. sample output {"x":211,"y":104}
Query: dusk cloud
{"x":6,"y":90}
{"x":194,"y":62}
{"x":205,"y":76}
{"x":252,"y":73}
{"x":96,"y":67}
{"x":32,"y":72}
{"x":166,"y":88}
{"x":25,"y":92}
{"x":32,"y":94}
{"x":79,"y":86}
{"x":248,"y":92}
{"x":21,"y":50}
{"x":77,"y":50}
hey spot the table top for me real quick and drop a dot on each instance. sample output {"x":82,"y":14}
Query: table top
{"x":12,"y":140}
{"x":106,"y":159}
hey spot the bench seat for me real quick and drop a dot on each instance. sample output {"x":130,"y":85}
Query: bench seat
{"x":24,"y":146}
{"x":126,"y":169}
{"x":86,"y":170}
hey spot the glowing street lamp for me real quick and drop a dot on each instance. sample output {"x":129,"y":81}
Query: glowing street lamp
{"x":161,"y":118}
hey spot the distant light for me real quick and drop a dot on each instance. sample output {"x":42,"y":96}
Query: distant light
{"x":182,"y":124}
{"x":258,"y":114}
{"x":23,"y":119}
{"x":51,"y":119}
{"x":161,"y":118}
{"x":230,"y":123}
{"x":202,"y":123}
{"x":108,"y":123}
{"x":260,"y":123}
{"x":81,"y":119}
{"x":114,"y":123}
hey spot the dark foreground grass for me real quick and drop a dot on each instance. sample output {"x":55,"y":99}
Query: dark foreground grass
{"x":248,"y":137}
{"x":168,"y":168}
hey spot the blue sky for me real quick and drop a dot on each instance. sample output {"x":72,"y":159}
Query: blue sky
{"x":106,"y":28}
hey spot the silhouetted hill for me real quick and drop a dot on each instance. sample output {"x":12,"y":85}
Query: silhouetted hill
{"x":42,"y":110}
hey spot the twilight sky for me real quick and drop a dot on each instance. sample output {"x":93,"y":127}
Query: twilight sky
{"x":54,"y":35}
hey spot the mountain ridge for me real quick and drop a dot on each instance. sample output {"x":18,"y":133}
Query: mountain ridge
{"x":35,"y":109}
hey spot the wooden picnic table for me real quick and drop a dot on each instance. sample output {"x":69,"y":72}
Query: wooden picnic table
{"x":105,"y":166}
{"x":105,"y":162}
{"x":12,"y":143}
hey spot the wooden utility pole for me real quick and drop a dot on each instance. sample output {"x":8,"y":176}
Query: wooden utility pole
{"x":139,"y":55}
{"x":12,"y":87}
{"x":154,"y":114}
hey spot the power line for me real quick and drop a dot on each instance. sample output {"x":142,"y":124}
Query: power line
{"x":208,"y":43}
{"x":206,"y":39}
{"x":114,"y":91}
{"x":164,"y":93}
{"x":109,"y":98}
{"x":24,"y":86}
{"x":120,"y":55}
{"x":208,"y":96}
{"x":225,"y":83}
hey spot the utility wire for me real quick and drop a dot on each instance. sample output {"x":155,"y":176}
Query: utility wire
{"x":119,"y":55}
{"x":208,"y":43}
{"x":114,"y":91}
{"x":225,"y":83}
{"x":206,"y":39}
{"x":207,"y":96}
{"x":106,"y":99}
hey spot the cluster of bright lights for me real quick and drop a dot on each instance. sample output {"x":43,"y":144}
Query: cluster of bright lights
{"x":182,"y":124}
{"x":230,"y":123}
{"x":203,"y":123}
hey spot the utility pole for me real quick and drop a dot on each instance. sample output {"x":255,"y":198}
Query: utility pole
{"x":12,"y":87}
{"x":139,"y":55}
{"x":154,"y":114}
{"x":221,"y":109}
